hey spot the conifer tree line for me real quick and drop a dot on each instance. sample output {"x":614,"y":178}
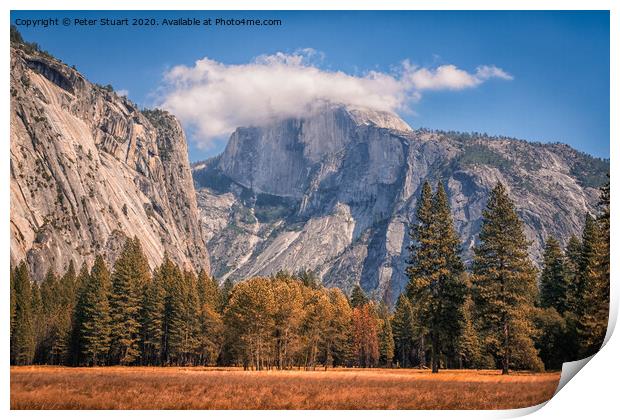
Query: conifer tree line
{"x":501,"y":313}
{"x":126,"y":315}
{"x":496,"y":312}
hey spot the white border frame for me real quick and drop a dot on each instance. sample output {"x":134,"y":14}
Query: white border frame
{"x":591,"y":395}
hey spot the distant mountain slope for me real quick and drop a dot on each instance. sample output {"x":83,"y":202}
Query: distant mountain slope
{"x":88,"y":168}
{"x":335,"y":191}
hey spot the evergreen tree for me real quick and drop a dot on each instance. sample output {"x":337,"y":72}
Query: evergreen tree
{"x":420,"y":251}
{"x":308,"y":278}
{"x":593,"y":307}
{"x":436,"y":287}
{"x":23,"y":339}
{"x":208,"y":290}
{"x":386,"y":343}
{"x":467,"y":345}
{"x":571,"y":271}
{"x":551,"y":340}
{"x":128,"y":280}
{"x":420,"y":268}
{"x":225,"y":294}
{"x":50,"y":328}
{"x":504,"y":285}
{"x":12,"y":303}
{"x":65,"y":301}
{"x":177,"y":320}
{"x":604,"y":226}
{"x":587,"y":258}
{"x":68,"y":348}
{"x":553,"y":286}
{"x":358,"y":297}
{"x":555,"y":322}
{"x":574,"y":297}
{"x":597,"y":296}
{"x":403,"y":328}
{"x":152,"y":320}
{"x":191,"y":318}
{"x":209,"y":343}
{"x":38,"y":318}
{"x":94,"y":313}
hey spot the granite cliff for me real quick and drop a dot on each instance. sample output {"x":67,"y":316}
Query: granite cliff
{"x":334,"y":192}
{"x":89,"y":169}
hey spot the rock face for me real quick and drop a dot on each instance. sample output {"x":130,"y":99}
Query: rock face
{"x":334,"y":192}
{"x":89,"y":169}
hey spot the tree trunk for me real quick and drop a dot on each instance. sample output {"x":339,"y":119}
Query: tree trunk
{"x":421,"y":352}
{"x":506,"y":356}
{"x":434,"y":354}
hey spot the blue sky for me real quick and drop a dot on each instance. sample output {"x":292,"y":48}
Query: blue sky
{"x":558,"y":61}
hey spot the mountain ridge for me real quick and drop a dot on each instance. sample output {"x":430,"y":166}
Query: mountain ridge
{"x":284,"y":197}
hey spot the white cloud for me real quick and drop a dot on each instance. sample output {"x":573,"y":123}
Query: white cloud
{"x":122,"y":92}
{"x":450,"y":77}
{"x":488,"y":72}
{"x":214,"y":98}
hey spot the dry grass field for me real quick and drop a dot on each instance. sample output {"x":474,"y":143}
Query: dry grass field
{"x":205,"y":388}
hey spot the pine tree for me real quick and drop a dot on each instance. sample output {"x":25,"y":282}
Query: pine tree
{"x":38,"y":318}
{"x":593,"y":307}
{"x":129,"y":278}
{"x":571,"y":271}
{"x":604,"y":225}
{"x":554,"y":301}
{"x":597,"y":297}
{"x":225,"y":294}
{"x":574,"y":297}
{"x":191,"y":318}
{"x":436,"y":287}
{"x":403,"y":328}
{"x":51,"y":307}
{"x":208,"y":290}
{"x":358,"y":297}
{"x":65,"y":299}
{"x":588,"y":257}
{"x":553,"y":286}
{"x":23,"y":339}
{"x":174,"y":311}
{"x":152,"y":320}
{"x":467,"y":346}
{"x":176,"y":340}
{"x":69,"y":348}
{"x":386,"y":343}
{"x":504,"y":285}
{"x":551,"y":340}
{"x":94,"y":334}
{"x":308,"y":278}
{"x":12,"y":302}
{"x":420,"y":269}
